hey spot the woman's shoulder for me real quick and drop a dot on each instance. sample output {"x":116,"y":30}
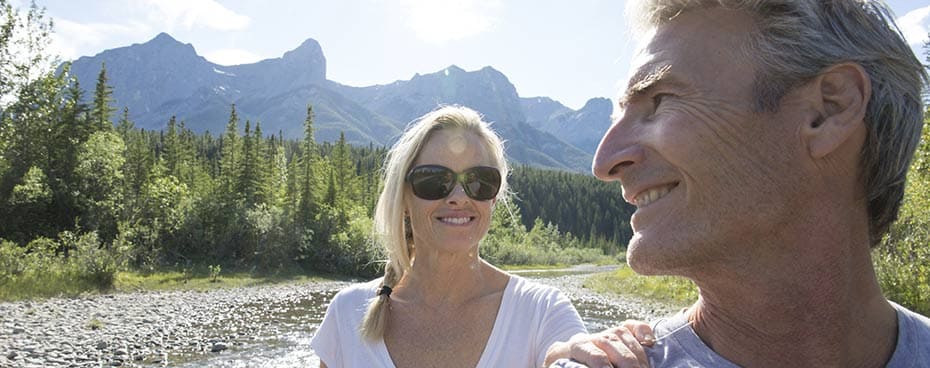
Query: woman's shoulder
{"x":358,"y":292}
{"x":523,"y":288}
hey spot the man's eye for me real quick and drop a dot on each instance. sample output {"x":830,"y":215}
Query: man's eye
{"x":657,"y":99}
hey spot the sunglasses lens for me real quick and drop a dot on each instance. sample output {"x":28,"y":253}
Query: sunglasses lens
{"x":431,"y":182}
{"x":482,"y":183}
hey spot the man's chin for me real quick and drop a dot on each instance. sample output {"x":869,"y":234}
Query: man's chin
{"x":638,"y":262}
{"x":644,"y":259}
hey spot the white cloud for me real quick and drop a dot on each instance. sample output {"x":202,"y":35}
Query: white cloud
{"x":440,"y":21}
{"x":915,"y":25}
{"x":232,"y":57}
{"x":197,"y":13}
{"x":69,"y":37}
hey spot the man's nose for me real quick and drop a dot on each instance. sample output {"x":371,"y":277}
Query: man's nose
{"x":619,"y":149}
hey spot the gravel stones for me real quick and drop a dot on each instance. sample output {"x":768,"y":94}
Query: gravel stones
{"x":154,"y":328}
{"x":241,"y":327}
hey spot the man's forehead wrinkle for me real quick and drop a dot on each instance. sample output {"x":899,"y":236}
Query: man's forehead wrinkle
{"x":644,"y":78}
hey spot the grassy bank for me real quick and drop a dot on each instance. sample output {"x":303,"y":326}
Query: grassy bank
{"x":674,"y":291}
{"x":61,"y":283}
{"x":202,"y":279}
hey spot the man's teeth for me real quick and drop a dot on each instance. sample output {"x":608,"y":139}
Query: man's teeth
{"x":455,"y":220}
{"x":651,"y":195}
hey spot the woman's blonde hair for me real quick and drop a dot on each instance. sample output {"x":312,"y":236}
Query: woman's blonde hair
{"x":389,"y":217}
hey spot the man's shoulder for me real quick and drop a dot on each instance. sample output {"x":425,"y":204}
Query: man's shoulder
{"x":913,"y":339}
{"x":912,"y":323}
{"x":669,"y":326}
{"x":677,"y":345}
{"x":921,"y":321}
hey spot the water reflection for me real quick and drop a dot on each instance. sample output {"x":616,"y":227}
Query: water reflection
{"x":270,"y":333}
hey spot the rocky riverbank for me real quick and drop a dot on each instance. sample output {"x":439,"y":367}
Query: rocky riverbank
{"x":597,"y":310}
{"x":150,"y":329}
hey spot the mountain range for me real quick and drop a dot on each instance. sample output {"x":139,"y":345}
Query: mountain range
{"x":164,"y":77}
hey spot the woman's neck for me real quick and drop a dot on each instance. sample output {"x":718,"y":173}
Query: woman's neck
{"x":450,"y":279}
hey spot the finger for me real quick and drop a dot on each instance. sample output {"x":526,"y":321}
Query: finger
{"x":619,"y":347}
{"x":590,"y":355}
{"x":558,"y":350}
{"x":630,"y":341}
{"x":641,"y":330}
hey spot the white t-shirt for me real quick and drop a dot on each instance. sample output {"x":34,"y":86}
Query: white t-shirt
{"x":530,"y":319}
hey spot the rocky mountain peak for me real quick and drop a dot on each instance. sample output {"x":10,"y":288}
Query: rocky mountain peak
{"x":309,"y":50}
{"x":598,"y":103}
{"x":164,"y":45}
{"x":162,"y":78}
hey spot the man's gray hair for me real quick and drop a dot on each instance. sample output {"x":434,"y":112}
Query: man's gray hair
{"x":794,"y":40}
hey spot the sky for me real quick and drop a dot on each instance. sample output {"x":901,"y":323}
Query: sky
{"x":570,"y":51}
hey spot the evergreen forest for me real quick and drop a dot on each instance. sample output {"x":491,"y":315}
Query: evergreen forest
{"x":82,"y":198}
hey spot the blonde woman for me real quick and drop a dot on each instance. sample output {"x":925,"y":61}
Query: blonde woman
{"x":439,"y":304}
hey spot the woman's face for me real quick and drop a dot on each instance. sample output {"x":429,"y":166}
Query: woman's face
{"x":455,"y":223}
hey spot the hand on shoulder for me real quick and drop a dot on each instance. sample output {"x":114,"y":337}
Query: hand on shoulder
{"x":620,"y":346}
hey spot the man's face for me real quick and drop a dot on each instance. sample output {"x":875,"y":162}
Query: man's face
{"x":709,"y":175}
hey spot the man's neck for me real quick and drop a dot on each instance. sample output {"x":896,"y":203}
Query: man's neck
{"x":798,"y":314}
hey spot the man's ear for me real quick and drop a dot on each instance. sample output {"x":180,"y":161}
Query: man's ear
{"x":844,"y":91}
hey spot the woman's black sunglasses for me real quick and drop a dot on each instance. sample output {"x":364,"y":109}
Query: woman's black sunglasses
{"x":432,"y":182}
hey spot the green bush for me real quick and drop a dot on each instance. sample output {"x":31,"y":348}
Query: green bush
{"x":214,"y":272}
{"x":902,"y":260}
{"x":673,"y":290}
{"x":37,"y":269}
{"x":13,"y":261}
{"x":508,"y":243}
{"x":90,"y":260}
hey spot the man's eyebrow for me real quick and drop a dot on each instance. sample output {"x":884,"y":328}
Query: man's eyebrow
{"x":643,"y":81}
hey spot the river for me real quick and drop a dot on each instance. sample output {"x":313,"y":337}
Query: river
{"x":268,"y":326}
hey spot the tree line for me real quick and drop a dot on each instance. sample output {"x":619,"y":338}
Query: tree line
{"x":156,"y":198}
{"x":82,"y":197}
{"x":581,"y":205}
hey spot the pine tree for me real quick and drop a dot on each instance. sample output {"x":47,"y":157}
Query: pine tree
{"x":330,"y":197}
{"x":189,"y":167}
{"x":172,"y":154}
{"x":229,"y":159}
{"x":71,"y":131}
{"x":345,"y":179}
{"x":246,"y":184}
{"x":125,"y":125}
{"x":275,"y":172}
{"x":292,"y":189}
{"x":138,"y":163}
{"x":308,"y":207}
{"x":262,"y":165}
{"x":103,"y":96}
